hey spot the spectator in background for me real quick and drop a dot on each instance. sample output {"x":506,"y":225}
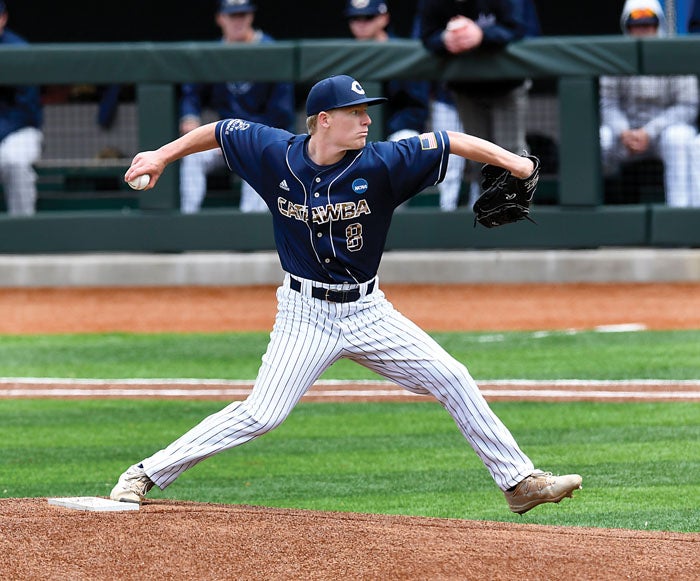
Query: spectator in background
{"x":268,"y":103}
{"x":406,"y":112}
{"x":20,"y":135}
{"x":492,"y":110}
{"x":649,"y":116}
{"x":444,"y":116}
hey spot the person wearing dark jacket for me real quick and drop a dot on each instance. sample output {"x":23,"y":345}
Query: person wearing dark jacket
{"x":494,"y":110}
{"x":20,"y":135}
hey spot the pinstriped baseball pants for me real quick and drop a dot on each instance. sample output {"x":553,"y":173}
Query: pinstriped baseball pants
{"x":18,"y":151}
{"x":445,"y":116}
{"x":309,"y":335}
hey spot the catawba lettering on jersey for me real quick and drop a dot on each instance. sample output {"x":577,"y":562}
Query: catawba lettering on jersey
{"x":323,"y":214}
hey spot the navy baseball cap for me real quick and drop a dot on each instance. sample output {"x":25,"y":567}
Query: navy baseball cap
{"x":365,"y":8}
{"x":236,"y":6}
{"x":335,"y":92}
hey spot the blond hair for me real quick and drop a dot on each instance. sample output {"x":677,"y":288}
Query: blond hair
{"x":312,"y":123}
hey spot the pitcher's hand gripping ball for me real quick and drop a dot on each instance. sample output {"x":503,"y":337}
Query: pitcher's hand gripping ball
{"x":140,"y":183}
{"x":506,"y":199}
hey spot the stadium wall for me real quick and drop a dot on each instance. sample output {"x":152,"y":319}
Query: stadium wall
{"x":643,"y":265}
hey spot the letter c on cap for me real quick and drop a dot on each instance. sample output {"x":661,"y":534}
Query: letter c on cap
{"x":357,"y":88}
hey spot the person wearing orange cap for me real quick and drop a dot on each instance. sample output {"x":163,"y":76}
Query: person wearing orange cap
{"x":649,"y":116}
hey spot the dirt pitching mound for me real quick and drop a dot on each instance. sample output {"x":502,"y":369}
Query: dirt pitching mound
{"x":186,"y":540}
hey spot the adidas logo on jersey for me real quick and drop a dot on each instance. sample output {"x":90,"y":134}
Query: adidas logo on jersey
{"x":284,"y":186}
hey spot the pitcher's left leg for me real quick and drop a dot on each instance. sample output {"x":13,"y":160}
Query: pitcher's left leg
{"x":399,"y":350}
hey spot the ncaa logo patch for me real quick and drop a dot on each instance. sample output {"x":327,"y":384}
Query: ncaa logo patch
{"x":360,"y":186}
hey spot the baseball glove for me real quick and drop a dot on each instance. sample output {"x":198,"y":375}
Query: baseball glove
{"x":506,"y":198}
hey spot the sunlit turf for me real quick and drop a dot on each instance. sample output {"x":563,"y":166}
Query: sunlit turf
{"x":640,"y":462}
{"x":584,"y":355}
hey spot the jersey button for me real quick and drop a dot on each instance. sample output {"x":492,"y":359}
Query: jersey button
{"x":319,"y":234}
{"x":316,"y":195}
{"x":318,"y":180}
{"x":327,"y":260}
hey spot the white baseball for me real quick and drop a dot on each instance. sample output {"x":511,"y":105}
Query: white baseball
{"x":140,"y":182}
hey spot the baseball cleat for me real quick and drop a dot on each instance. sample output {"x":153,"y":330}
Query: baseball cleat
{"x":541,"y":487}
{"x":132,"y":486}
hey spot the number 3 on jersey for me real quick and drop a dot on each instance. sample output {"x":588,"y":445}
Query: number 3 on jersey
{"x":353,"y":236}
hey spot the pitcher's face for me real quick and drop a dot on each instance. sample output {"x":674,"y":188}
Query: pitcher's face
{"x":349,"y":126}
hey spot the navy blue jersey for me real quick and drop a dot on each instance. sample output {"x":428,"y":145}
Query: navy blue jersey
{"x":331,"y":222}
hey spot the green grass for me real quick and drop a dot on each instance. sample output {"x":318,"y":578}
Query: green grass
{"x":640,"y":462}
{"x":587,"y":355}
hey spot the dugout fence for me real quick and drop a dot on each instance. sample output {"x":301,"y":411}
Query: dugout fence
{"x":85,"y":207}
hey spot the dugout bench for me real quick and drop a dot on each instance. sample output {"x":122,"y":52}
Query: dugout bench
{"x":83,"y":184}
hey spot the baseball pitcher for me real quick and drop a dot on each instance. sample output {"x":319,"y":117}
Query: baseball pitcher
{"x":332,"y":196}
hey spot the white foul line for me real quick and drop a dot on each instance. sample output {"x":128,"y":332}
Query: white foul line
{"x":332,"y":382}
{"x":232,"y":389}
